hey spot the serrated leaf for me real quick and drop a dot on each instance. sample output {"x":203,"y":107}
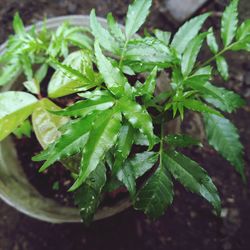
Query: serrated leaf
{"x":18,"y":25}
{"x":242,"y":37}
{"x":124,"y":145}
{"x":113,"y":78}
{"x":135,"y":168}
{"x":88,"y":196}
{"x":190,"y":54}
{"x":102,"y":35}
{"x":138,"y":117}
{"x":192,"y":177}
{"x":148,"y":88}
{"x":143,"y":54}
{"x":73,"y":75}
{"x":199,"y":106}
{"x":9,"y":72}
{"x":15,"y":107}
{"x":115,"y":29}
{"x":222,"y":67}
{"x":229,"y":23}
{"x":187,"y":32}
{"x":136,"y":16}
{"x":211,"y":41}
{"x":177,"y":140}
{"x":83,"y":108}
{"x":69,"y":143}
{"x":46,"y":125}
{"x":156,"y":194}
{"x":163,"y":36}
{"x":224,"y":137}
{"x":102,"y":137}
{"x":221,"y":98}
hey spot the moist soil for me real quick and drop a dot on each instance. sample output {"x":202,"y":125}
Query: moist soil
{"x":190,"y":223}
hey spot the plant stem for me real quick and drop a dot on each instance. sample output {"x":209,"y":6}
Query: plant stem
{"x":216,"y":55}
{"x":123,"y":53}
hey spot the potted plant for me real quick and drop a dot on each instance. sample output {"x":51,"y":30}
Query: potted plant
{"x":110,"y":132}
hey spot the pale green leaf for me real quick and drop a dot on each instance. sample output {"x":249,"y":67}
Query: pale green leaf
{"x":187,"y":32}
{"x":163,"y":36}
{"x":72,"y":75}
{"x":102,"y":35}
{"x":113,"y":77}
{"x":46,"y":125}
{"x":15,"y":107}
{"x":211,"y":41}
{"x":190,"y":54}
{"x":115,"y":29}
{"x":136,"y":16}
{"x":222,"y":67}
{"x":229,"y":23}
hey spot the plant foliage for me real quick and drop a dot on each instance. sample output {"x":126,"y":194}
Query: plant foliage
{"x":111,"y":133}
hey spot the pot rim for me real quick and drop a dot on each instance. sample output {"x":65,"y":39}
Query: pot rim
{"x":50,"y":216}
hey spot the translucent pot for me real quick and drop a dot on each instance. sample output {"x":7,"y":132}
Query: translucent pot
{"x":16,"y":190}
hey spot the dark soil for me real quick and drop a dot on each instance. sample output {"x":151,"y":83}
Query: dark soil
{"x":190,"y":222}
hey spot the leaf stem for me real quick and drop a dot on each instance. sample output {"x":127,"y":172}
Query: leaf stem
{"x":123,"y":53}
{"x":216,"y":55}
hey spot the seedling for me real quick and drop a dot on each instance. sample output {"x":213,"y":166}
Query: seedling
{"x":114,"y":134}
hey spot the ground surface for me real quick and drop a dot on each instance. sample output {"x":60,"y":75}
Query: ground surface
{"x":190,"y":223}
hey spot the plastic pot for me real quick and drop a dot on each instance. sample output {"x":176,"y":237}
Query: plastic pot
{"x":16,"y":190}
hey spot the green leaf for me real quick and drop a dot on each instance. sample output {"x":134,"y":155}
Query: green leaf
{"x":102,"y":137}
{"x":46,"y":125}
{"x":222,"y":67}
{"x":41,"y":73}
{"x":199,"y":106}
{"x":105,"y":39}
{"x":69,"y":143}
{"x":88,"y":196}
{"x":156,"y":194}
{"x":27,"y":66}
{"x":163,"y":36}
{"x":32,"y":86}
{"x":224,"y":137}
{"x":113,"y":78}
{"x":148,"y":88}
{"x":192,"y":177}
{"x":138,"y":117}
{"x":187,"y":32}
{"x":136,"y":16}
{"x":229,"y":23}
{"x":177,"y":140}
{"x":24,"y":129}
{"x":9,"y":72}
{"x":18,"y":25}
{"x":211,"y":41}
{"x":124,"y":145}
{"x":73,"y":75}
{"x":15,"y":107}
{"x":221,"y":98}
{"x":115,"y":29}
{"x":191,"y":53}
{"x":135,"y":168}
{"x":83,"y":108}
{"x":243,"y":31}
{"x":242,"y":37}
{"x":143,"y":54}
